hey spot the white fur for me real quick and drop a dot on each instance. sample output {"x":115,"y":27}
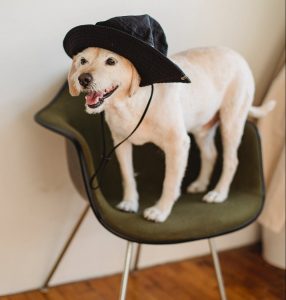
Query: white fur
{"x":221,"y":83}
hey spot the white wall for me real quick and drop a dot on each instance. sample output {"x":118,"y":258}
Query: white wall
{"x":38,"y":204}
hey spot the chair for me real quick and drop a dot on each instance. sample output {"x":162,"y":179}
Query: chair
{"x":190,"y":220}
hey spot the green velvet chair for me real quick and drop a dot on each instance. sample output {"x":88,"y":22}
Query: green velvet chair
{"x":191,"y":219}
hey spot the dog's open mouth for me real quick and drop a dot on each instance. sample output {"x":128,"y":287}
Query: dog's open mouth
{"x":95,"y":99}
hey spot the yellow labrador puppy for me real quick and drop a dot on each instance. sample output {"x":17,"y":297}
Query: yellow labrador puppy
{"x":221,"y":91}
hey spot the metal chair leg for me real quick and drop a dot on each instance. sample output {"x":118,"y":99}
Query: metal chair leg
{"x":137,"y":257}
{"x":45,"y":286}
{"x":124,"y":280}
{"x":217,"y":269}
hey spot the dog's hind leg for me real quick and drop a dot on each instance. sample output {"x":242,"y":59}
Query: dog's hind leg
{"x":233,"y":115}
{"x":206,"y":144}
{"x":231,"y":139}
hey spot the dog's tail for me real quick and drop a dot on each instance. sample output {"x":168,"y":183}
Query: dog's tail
{"x":263,"y":110}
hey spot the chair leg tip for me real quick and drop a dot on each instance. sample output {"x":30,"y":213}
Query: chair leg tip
{"x":44,"y":290}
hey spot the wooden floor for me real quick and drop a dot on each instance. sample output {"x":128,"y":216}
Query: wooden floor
{"x":246,"y":275}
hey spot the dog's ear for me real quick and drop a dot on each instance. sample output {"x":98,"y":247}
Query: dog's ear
{"x":72,"y":88}
{"x":135,"y":81}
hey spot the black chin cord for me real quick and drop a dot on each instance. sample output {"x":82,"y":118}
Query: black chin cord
{"x":105,"y":158}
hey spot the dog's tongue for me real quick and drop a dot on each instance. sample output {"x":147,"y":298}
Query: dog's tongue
{"x":93,"y":97}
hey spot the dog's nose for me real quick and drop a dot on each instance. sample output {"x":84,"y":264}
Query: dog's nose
{"x":85,"y":79}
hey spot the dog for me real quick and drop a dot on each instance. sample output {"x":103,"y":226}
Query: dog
{"x":221,"y":92}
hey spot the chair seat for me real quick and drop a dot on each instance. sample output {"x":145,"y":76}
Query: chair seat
{"x":191,"y":219}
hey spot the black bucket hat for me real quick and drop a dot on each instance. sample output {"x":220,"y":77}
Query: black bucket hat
{"x":140,"y":39}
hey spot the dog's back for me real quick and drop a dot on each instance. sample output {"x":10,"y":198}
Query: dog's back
{"x":214,"y":71}
{"x":220,"y":64}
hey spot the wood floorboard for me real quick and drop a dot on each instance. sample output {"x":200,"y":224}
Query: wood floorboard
{"x":35,"y":295}
{"x":247,"y":277}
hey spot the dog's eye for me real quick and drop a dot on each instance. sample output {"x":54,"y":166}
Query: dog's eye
{"x":83,"y":61}
{"x":111,"y":61}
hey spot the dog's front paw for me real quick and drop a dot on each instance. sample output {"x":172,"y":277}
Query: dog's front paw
{"x":197,"y":186}
{"x":128,"y":205}
{"x":215,"y":197}
{"x":156,"y":214}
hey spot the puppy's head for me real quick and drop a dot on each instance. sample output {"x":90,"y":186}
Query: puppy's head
{"x":103,"y":76}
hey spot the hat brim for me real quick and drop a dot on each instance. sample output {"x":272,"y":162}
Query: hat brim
{"x":152,"y":65}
